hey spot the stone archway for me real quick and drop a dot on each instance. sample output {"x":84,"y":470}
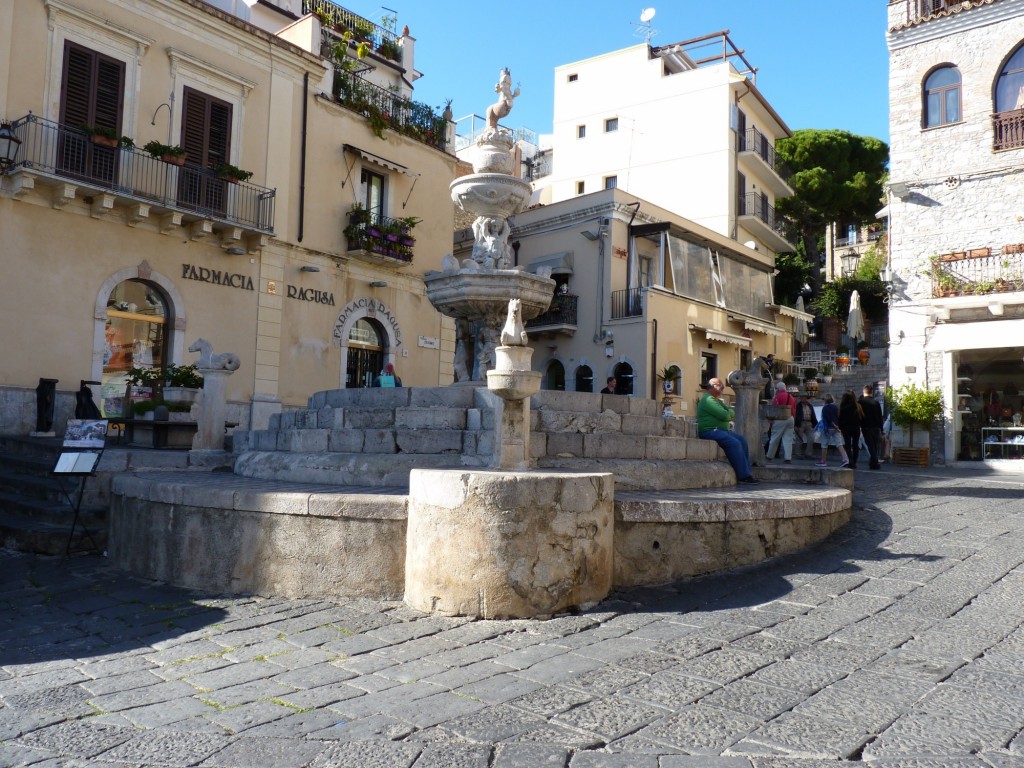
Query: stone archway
{"x":383,"y":318}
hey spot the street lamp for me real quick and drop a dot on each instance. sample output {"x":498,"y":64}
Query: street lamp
{"x":850,"y":260}
{"x":9,"y":144}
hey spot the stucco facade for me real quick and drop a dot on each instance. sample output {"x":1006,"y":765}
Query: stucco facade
{"x":693,"y":138}
{"x":955,"y":216}
{"x":262,"y":268}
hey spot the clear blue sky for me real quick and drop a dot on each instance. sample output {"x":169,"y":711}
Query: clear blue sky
{"x":820,"y":64}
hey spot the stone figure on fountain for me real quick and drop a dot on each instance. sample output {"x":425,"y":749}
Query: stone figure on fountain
{"x":506,"y":96}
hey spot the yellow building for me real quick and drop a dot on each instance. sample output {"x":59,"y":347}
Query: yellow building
{"x":118,"y":256}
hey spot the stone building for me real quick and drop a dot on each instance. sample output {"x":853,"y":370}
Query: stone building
{"x":956,"y":224}
{"x":117,"y":257}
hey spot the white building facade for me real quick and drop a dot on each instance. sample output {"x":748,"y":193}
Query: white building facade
{"x":680,"y":126}
{"x":956,"y":211}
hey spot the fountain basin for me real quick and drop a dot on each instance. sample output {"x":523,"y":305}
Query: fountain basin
{"x":491,"y":194}
{"x":485,"y":293}
{"x":514,"y":385}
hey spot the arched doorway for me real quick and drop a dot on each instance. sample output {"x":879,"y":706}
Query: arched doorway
{"x":623,"y":379}
{"x":367,"y":347}
{"x":554,"y":377}
{"x":135,"y":336}
{"x":584,"y":379}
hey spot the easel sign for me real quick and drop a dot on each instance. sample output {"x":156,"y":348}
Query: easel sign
{"x":86,"y":433}
{"x":86,"y":438}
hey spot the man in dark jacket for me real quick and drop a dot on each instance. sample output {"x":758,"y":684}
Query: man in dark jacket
{"x":871,"y":425}
{"x":804,"y":424}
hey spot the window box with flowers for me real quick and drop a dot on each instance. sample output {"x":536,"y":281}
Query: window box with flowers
{"x":102,"y":136}
{"x":232,"y":173}
{"x":168,"y":153}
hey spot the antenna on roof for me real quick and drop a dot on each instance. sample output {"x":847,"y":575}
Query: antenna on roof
{"x":644,"y":26}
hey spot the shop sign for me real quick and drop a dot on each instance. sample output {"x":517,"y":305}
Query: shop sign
{"x":308,"y":294}
{"x":430,"y":342}
{"x":368,"y":307}
{"x":216,"y":277}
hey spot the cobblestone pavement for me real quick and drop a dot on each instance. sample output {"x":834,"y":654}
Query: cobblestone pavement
{"x":899,"y":642}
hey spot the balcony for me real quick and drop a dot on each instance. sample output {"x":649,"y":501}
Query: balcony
{"x":66,"y":158}
{"x":754,"y":144}
{"x":978,"y":273}
{"x":627,"y":303}
{"x":1008,"y":130}
{"x":340,"y":20}
{"x":385,"y":109}
{"x":380,"y":240}
{"x":559,"y":319}
{"x":758,"y":215}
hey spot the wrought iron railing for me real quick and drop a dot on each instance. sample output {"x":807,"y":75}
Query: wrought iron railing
{"x":561,"y":312}
{"x":961,"y":274}
{"x":627,"y":303}
{"x":1008,"y":129}
{"x":386,"y":109}
{"x":379,"y":234}
{"x":63,"y":152}
{"x":340,"y":20}
{"x":756,"y":142}
{"x":757,"y":205}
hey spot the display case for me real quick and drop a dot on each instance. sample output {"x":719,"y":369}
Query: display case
{"x":1002,"y":442}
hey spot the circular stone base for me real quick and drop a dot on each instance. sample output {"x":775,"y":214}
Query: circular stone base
{"x":498,"y":545}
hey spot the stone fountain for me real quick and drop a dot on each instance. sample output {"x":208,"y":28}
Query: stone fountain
{"x":506,"y":542}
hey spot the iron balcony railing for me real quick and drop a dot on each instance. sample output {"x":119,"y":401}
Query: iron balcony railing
{"x":757,"y":205}
{"x":561,"y":312}
{"x":961,"y":274}
{"x":340,"y":20}
{"x":67,"y":153}
{"x":386,"y":109}
{"x":1008,"y":130}
{"x":381,"y":235}
{"x":922,"y":9}
{"x":627,"y":303}
{"x":756,"y":142}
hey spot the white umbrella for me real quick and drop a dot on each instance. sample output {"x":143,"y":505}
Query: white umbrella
{"x":800,"y":329}
{"x":855,"y":320}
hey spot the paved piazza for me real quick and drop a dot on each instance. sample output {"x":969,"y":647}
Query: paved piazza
{"x":898,"y":643}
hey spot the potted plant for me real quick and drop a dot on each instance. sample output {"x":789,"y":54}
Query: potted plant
{"x":909,"y":406}
{"x":792,"y":382}
{"x":182,"y":383}
{"x":232,"y":173}
{"x":843,"y":356}
{"x":668,"y":376}
{"x":826,"y":373}
{"x":107,"y":137}
{"x":863,"y":353}
{"x":389,"y":49}
{"x":169,"y":153}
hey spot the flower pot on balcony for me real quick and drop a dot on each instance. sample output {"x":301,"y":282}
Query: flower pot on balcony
{"x":105,"y":141}
{"x":178,"y":160}
{"x":864,"y":355}
{"x":391,"y":238}
{"x":408,"y":242}
{"x":373,"y":232}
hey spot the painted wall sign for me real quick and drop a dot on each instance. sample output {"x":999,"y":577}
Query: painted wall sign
{"x":368,"y":307}
{"x":430,"y":342}
{"x":216,"y":277}
{"x":308,"y":294}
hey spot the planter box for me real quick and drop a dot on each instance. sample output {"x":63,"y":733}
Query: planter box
{"x":910,"y":457}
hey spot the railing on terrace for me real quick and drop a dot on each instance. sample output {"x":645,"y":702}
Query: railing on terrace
{"x":922,"y":9}
{"x":627,"y":303}
{"x":63,"y":152}
{"x":961,"y":274}
{"x":470,"y":127}
{"x":561,"y":312}
{"x":341,"y":19}
{"x":380,"y":235}
{"x":1008,"y":129}
{"x":757,"y":205}
{"x":756,"y":142}
{"x":386,"y":109}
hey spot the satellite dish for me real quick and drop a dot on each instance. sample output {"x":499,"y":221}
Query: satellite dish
{"x":646,"y":15}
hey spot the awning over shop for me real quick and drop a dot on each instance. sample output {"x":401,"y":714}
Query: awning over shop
{"x":383,"y":162}
{"x":796,"y":314}
{"x":765,"y":328}
{"x":726,"y":338}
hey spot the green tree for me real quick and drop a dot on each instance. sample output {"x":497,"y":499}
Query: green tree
{"x":910,"y":405}
{"x":837,"y":175}
{"x":794,"y":273}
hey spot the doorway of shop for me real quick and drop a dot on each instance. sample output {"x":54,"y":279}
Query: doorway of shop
{"x":367,"y":349}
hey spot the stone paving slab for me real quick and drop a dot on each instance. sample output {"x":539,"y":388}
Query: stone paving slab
{"x":897,"y":641}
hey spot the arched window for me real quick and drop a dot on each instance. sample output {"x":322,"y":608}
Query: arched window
{"x":942,"y":97}
{"x":554,"y":377}
{"x":623,"y":379}
{"x":584,"y":379}
{"x":1010,"y":86}
{"x":135,"y":337}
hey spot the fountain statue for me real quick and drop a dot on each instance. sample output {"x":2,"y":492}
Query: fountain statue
{"x":477,"y":291}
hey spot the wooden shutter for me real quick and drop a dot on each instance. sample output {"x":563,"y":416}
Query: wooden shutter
{"x":92,"y":90}
{"x":206,"y":129}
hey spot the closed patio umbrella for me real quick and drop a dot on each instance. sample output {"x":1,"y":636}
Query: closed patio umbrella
{"x":855,"y":320}
{"x":800,"y":330}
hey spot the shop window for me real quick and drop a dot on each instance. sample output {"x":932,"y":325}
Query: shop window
{"x":942,"y":97}
{"x":367,"y":346}
{"x":135,"y":337}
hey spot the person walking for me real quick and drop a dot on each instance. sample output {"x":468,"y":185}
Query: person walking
{"x":830,"y":433}
{"x":804,"y":423}
{"x":782,"y":429}
{"x":850,"y":417}
{"x":871,"y":426}
{"x":713,"y":417}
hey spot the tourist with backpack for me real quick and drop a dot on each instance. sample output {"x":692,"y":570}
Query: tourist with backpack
{"x":782,"y":429}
